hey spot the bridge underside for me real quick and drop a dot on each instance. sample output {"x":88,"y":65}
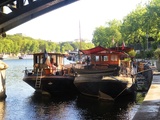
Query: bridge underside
{"x":21,"y":11}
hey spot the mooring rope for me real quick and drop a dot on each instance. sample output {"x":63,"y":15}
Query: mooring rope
{"x":132,"y":82}
{"x":120,"y":93}
{"x":142,"y":71}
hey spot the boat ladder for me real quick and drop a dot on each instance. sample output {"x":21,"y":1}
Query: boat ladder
{"x":38,"y":79}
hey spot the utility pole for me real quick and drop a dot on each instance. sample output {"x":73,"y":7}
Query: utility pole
{"x":80,"y":46}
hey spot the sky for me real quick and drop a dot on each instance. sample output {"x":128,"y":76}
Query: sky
{"x":62,"y":24}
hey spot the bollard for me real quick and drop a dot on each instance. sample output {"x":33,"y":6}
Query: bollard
{"x":3,"y":67}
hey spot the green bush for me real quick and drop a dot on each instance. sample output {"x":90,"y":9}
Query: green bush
{"x":157,"y":53}
{"x":132,"y":53}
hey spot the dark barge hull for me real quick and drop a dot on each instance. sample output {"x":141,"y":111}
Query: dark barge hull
{"x":53,"y":84}
{"x":95,"y":86}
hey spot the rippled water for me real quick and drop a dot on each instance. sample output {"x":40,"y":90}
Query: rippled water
{"x":23,"y":104}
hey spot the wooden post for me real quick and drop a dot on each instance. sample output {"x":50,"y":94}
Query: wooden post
{"x":3,"y":67}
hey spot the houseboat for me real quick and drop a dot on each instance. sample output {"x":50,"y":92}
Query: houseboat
{"x":50,"y":75}
{"x":109,"y":73}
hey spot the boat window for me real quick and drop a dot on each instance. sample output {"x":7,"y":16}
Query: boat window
{"x":54,"y":59}
{"x":97,"y":58}
{"x":41,"y":59}
{"x":114,"y":58}
{"x":104,"y":58}
{"x":37,"y":61}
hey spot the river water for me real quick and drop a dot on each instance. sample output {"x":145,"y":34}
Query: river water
{"x":23,"y":104}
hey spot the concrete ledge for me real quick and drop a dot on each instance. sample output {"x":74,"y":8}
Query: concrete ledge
{"x":150,"y":108}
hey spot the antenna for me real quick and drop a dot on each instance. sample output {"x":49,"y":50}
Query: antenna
{"x":80,"y":47}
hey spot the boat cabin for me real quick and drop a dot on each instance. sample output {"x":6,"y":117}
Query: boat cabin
{"x":104,"y":57}
{"x":49,"y":63}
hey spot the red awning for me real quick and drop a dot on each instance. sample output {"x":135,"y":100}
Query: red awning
{"x":93,"y":50}
{"x":114,"y":50}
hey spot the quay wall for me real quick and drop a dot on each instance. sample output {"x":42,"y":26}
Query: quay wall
{"x":150,"y":108}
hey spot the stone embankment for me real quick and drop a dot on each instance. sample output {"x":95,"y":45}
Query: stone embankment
{"x":3,"y":67}
{"x":150,"y":108}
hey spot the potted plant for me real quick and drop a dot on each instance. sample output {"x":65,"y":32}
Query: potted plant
{"x":132,"y":53}
{"x":157,"y":55}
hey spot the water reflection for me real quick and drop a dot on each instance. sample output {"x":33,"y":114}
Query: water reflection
{"x":54,"y":108}
{"x":78,"y":107}
{"x":98,"y":109}
{"x":23,"y":104}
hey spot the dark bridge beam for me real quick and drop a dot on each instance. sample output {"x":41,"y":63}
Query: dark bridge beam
{"x":4,"y":2}
{"x":34,"y":9}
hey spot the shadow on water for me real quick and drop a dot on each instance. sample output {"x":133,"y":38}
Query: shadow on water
{"x":46,"y":107}
{"x":93,"y":108}
{"x":78,"y":107}
{"x":98,"y":109}
{"x":46,"y":98}
{"x":70,"y":107}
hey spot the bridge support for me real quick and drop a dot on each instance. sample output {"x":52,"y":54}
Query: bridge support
{"x":3,"y":67}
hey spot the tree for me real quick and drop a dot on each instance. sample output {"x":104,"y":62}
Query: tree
{"x":104,"y":35}
{"x":132,"y":27}
{"x":67,"y":47}
{"x":52,"y":46}
{"x":34,"y":46}
{"x":152,"y":20}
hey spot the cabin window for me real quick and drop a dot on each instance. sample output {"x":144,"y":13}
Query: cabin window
{"x":94,"y":58}
{"x":104,"y":58}
{"x":41,"y":59}
{"x":114,"y":58}
{"x":37,"y":59}
{"x":97,"y":58}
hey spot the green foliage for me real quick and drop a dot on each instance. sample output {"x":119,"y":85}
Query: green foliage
{"x":157,"y":53}
{"x":20,"y":44}
{"x":66,"y":47}
{"x":132,"y":28}
{"x":136,"y":27}
{"x":127,"y":59}
{"x":149,"y":54}
{"x":104,"y":35}
{"x":132,"y":53}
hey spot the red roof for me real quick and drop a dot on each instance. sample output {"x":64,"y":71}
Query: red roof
{"x":115,"y":50}
{"x":93,"y":50}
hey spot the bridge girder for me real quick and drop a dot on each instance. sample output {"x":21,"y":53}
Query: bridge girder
{"x":25,"y":10}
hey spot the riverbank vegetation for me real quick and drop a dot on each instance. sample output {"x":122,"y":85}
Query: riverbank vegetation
{"x":22,"y":44}
{"x":140,"y":29}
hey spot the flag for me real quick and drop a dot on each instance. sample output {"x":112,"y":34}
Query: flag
{"x":123,"y":45}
